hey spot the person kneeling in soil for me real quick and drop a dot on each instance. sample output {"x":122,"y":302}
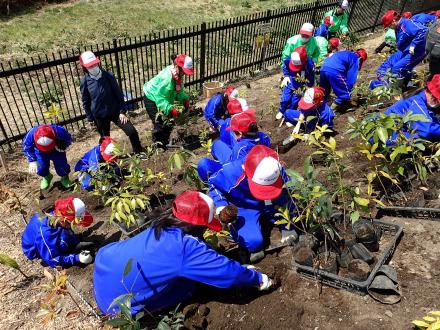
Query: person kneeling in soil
{"x":216,"y":108}
{"x":311,"y":104}
{"x":255,"y":188}
{"x":246,"y":134}
{"x":298,"y":71}
{"x":89,"y":163}
{"x":46,"y":143}
{"x":339,"y":72}
{"x":427,"y":104}
{"x":52,"y":239}
{"x":168,"y":259}
{"x":162,"y":91}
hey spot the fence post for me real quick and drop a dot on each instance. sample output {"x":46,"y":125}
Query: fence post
{"x":351,"y":12}
{"x":264,"y":46}
{"x":377,"y":16}
{"x":202,"y":54}
{"x":118,"y":66}
{"x":403,"y":6}
{"x":315,"y":11}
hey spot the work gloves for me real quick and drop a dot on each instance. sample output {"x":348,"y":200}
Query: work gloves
{"x":285,"y":82}
{"x":228,"y":214}
{"x":175,"y":113}
{"x":85,"y":257}
{"x":33,"y":167}
{"x":186,"y":104}
{"x":411,"y":50}
{"x":266,"y":283}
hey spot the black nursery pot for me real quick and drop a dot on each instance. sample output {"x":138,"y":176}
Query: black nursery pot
{"x":327,"y":261}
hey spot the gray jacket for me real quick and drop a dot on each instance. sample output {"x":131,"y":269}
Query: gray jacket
{"x":433,"y":41}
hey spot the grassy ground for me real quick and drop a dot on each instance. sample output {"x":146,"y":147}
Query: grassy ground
{"x":85,"y":22}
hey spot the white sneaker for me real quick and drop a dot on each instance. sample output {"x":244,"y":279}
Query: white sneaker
{"x":289,"y":124}
{"x":279,"y":116}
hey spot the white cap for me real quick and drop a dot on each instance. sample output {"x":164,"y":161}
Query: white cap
{"x":344,"y":4}
{"x":267,"y":172}
{"x":243,"y":103}
{"x":88,"y":59}
{"x":210,"y":204}
{"x":80,"y":208}
{"x":109,"y":149}
{"x":295,"y":58}
{"x":44,"y":141}
{"x":307,"y":29}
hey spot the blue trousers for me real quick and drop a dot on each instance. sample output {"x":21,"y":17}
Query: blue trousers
{"x":84,"y":179}
{"x":324,"y":118}
{"x":337,"y":82}
{"x":399,"y":65}
{"x":289,"y":99}
{"x":221,"y":153}
{"x":247,"y":231}
{"x":58,"y":159}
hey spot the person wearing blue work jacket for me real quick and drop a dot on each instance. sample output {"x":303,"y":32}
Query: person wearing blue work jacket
{"x":427,"y":104}
{"x":425,"y":18}
{"x":410,"y":40}
{"x":311,"y":105}
{"x":216,"y":108}
{"x":235,"y":106}
{"x":255,"y":187}
{"x":245,"y":129}
{"x":322,"y":30}
{"x":339,"y":72}
{"x":46,"y":143}
{"x":89,"y":163}
{"x":298,"y":70}
{"x":52,"y":240}
{"x":168,"y":260}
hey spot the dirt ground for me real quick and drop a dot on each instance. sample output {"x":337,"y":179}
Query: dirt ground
{"x":296,"y":304}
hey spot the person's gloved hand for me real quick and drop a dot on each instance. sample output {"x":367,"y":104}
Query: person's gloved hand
{"x":175,"y":113}
{"x":186,"y":104}
{"x":411,"y":50}
{"x":228,"y":214}
{"x":296,"y":129}
{"x":33,"y":167}
{"x":266,"y":283}
{"x":285,"y":82}
{"x":85,"y":257}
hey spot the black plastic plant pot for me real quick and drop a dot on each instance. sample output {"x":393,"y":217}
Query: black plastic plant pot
{"x":327,"y":262}
{"x":392,"y":230}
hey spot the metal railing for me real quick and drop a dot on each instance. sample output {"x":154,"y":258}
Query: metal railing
{"x":221,"y":50}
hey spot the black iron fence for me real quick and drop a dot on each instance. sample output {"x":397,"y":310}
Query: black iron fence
{"x":221,"y":50}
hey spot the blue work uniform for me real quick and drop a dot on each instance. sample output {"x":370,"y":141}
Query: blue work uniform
{"x":223,"y":153}
{"x":291,"y":94}
{"x":228,"y":186}
{"x":324,"y":116}
{"x":401,"y":107}
{"x":52,"y":244}
{"x":215,"y":111}
{"x":90,"y":163}
{"x":43,"y":158}
{"x":164,"y":271}
{"x":339,"y":72}
{"x":424,"y":18}
{"x":400,"y":64}
{"x":322,"y":31}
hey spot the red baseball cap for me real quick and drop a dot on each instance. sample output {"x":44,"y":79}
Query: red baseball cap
{"x":307,"y":29}
{"x":231,"y":92}
{"x":88,"y":59}
{"x":238,"y":105}
{"x":263,"y":170}
{"x":73,"y":210}
{"x":407,"y":14}
{"x":197,"y":209}
{"x":362,"y":53}
{"x":107,"y":150}
{"x":335,"y":42}
{"x":298,"y":59}
{"x":434,"y":86}
{"x":329,"y":20}
{"x":312,"y":97}
{"x":186,"y":63}
{"x":44,"y":138}
{"x":389,"y":17}
{"x":241,"y":122}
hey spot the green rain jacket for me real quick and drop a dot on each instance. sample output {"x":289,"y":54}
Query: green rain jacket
{"x":162,"y":91}
{"x":341,"y":21}
{"x":294,"y":42}
{"x":390,"y":35}
{"x":323,"y":47}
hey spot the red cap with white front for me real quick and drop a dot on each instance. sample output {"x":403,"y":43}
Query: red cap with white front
{"x":107,"y":150}
{"x":335,"y":42}
{"x":241,"y":122}
{"x":197,"y":209}
{"x":307,"y":29}
{"x":44,"y":138}
{"x":73,"y":210}
{"x":434,"y":86}
{"x":329,"y":20}
{"x":312,"y":97}
{"x":238,"y":105}
{"x":298,"y":59}
{"x":231,"y":92}
{"x":407,"y":14}
{"x":186,"y":63}
{"x":263,"y":170}
{"x":389,"y":17}
{"x":88,"y":59}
